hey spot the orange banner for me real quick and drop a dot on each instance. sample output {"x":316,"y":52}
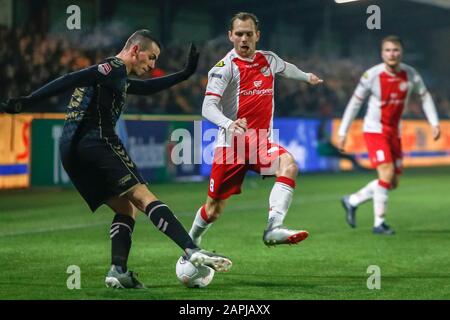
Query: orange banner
{"x":15,"y":146}
{"x":419,"y":148}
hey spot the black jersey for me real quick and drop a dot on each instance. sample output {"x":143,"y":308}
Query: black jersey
{"x":94,"y":110}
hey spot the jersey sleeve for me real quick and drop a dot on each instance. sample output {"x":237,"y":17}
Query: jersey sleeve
{"x":363,"y":88}
{"x":418,"y":84}
{"x":218,"y":78}
{"x":96,"y":74}
{"x":277,"y":65}
{"x":354,"y":105}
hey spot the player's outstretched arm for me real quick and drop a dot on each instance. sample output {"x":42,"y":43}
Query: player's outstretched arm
{"x":83,"y":78}
{"x":292,"y":72}
{"x":145,"y":87}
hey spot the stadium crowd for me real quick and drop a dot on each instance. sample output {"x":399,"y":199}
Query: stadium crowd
{"x":30,"y":60}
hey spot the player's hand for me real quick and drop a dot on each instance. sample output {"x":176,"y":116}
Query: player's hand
{"x":341,"y":143}
{"x":436,"y":132}
{"x":191,"y":60}
{"x":313,"y":79}
{"x":238,"y":127}
{"x":13,"y":105}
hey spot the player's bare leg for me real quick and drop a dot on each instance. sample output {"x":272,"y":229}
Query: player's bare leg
{"x":386,"y":178}
{"x":205,"y":216}
{"x":279,"y":201}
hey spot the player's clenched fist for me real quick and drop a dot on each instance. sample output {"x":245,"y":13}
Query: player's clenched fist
{"x":191,"y":60}
{"x":13,"y":105}
{"x":238,"y":127}
{"x":313,"y":79}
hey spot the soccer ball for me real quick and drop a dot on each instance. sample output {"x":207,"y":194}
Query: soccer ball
{"x":192,"y":276}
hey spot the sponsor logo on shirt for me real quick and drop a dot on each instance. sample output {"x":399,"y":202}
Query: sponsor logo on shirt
{"x":392,"y":102}
{"x":216,"y":75}
{"x":257,"y":83}
{"x":220,"y":64}
{"x":104,"y":68}
{"x":257,"y":92}
{"x":253,"y":65}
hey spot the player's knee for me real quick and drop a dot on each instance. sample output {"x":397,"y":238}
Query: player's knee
{"x":289,"y":169}
{"x":293,"y":169}
{"x":386,"y":172}
{"x":122,"y":206}
{"x":140,"y":197}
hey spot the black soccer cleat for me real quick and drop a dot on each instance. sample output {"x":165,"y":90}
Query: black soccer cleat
{"x":350,"y":211}
{"x":383,"y":229}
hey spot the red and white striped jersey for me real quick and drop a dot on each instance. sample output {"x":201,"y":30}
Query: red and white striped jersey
{"x":389,"y":94}
{"x":246,"y":89}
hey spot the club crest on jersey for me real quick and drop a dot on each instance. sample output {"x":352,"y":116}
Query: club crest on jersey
{"x":257,"y":83}
{"x":403,"y":86}
{"x":104,"y":68}
{"x":265,"y":71}
{"x":220,"y":64}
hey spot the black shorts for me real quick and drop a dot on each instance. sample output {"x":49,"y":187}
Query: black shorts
{"x":99,"y":169}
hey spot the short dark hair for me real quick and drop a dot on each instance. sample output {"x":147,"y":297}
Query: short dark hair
{"x":142,"y":37}
{"x":393,"y":39}
{"x":245,"y":16}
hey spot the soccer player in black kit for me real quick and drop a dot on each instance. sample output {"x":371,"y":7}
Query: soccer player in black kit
{"x":95,"y":158}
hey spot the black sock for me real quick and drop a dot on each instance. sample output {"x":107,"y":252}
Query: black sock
{"x":163,"y":218}
{"x":120,"y":234}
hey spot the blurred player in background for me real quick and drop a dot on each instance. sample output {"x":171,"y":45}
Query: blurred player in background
{"x":389,"y":85}
{"x":239,"y":96}
{"x":95,"y":158}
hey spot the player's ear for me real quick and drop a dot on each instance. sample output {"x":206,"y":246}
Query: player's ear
{"x":258,"y":34}
{"x":230,"y":34}
{"x":135,"y":50}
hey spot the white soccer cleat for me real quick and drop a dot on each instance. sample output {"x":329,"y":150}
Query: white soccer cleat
{"x":282,"y":235}
{"x":213,"y":260}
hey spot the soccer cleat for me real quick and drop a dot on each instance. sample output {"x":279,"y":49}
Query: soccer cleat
{"x":211,"y":259}
{"x":350,"y":211}
{"x":282,"y":235}
{"x":383,"y":229}
{"x":122,"y":280}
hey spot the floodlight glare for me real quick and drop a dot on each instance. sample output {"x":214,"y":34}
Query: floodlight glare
{"x":344,"y":1}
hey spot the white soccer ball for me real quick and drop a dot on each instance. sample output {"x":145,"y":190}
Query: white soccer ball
{"x":192,"y":276}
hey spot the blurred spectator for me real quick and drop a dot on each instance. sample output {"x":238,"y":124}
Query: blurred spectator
{"x":30,"y":60}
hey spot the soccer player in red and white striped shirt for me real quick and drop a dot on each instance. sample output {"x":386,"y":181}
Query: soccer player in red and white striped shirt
{"x":388,"y":85}
{"x":239,"y":99}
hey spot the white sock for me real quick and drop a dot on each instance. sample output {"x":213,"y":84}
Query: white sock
{"x":364,"y":194}
{"x":200,"y":225}
{"x":279,"y":201}
{"x":380,"y":199}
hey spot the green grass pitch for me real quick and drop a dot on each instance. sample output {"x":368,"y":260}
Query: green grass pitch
{"x":43,"y":232}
